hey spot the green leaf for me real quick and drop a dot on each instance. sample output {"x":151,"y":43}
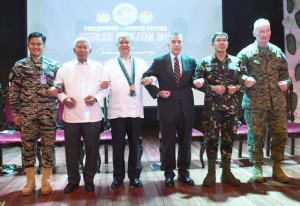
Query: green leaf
{"x":291,"y":43}
{"x":297,"y":18}
{"x":290,"y":6}
{"x":294,"y":101}
{"x":297,"y":72}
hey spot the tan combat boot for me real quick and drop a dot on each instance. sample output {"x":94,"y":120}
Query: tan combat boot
{"x":227,"y":176}
{"x":279,"y":174}
{"x":257,"y":173}
{"x":30,"y":181}
{"x":210,"y":178}
{"x":46,"y":187}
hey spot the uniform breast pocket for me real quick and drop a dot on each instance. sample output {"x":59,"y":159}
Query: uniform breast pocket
{"x":255,"y":63}
{"x":232,"y":76}
{"x":274,"y":67}
{"x":50,"y":77}
{"x":255,"y":70}
{"x":49,"y":74}
{"x":275,"y":73}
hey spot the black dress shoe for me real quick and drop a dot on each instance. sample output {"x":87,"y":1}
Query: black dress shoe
{"x":70,"y":187}
{"x":136,"y":183}
{"x":169,"y":182}
{"x":89,"y":187}
{"x":186,"y":180}
{"x":116,"y":183}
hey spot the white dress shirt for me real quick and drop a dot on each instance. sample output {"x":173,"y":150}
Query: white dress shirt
{"x":121,"y":104}
{"x":80,"y":81}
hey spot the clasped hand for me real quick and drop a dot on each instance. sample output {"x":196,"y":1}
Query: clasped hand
{"x":249,"y":82}
{"x":52,"y":91}
{"x":219,"y":89}
{"x":232,"y":89}
{"x":164,"y":94}
{"x":147,"y":81}
{"x":199,"y":82}
{"x":104,"y":84}
{"x":283,"y":85}
{"x":69,"y":102}
{"x":90,"y":100}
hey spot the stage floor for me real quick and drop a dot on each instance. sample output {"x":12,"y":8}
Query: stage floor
{"x":154,"y":192}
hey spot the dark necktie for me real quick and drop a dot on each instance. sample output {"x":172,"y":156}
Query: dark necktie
{"x":177,"y":72}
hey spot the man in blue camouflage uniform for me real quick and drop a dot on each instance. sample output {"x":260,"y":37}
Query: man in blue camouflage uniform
{"x":264,"y":102}
{"x":220,"y":76}
{"x":31,"y":79}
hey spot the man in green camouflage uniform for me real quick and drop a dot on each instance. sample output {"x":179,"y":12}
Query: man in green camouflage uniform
{"x":31,"y":79}
{"x":220,"y":76}
{"x":264,"y":102}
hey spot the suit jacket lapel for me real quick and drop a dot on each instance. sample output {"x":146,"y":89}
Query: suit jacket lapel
{"x":185,"y":67}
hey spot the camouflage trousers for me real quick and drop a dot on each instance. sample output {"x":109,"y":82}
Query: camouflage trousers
{"x":261,"y":122}
{"x":213,"y":122}
{"x":34,"y":127}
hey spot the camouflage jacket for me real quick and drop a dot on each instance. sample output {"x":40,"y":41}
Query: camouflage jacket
{"x":231,"y":71}
{"x":26,"y":90}
{"x":267,"y":66}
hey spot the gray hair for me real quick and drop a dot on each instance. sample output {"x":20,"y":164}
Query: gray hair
{"x":260,"y":22}
{"x":175,"y":33}
{"x":82,"y":38}
{"x":122,"y":35}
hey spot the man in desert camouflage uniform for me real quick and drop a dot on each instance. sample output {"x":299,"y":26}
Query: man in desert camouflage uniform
{"x":264,"y":102}
{"x":220,"y":76}
{"x":31,"y":86}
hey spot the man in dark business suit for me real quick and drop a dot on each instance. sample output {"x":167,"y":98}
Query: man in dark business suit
{"x":175,"y":107}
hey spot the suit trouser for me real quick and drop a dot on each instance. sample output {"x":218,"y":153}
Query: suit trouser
{"x":275,"y":123}
{"x":133,"y":128}
{"x":90,"y":131}
{"x":184,"y":131}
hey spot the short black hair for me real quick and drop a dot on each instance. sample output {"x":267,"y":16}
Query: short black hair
{"x":37,"y":34}
{"x":217,"y":34}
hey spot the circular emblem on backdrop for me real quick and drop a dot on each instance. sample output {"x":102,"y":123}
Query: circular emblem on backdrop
{"x":103,"y":16}
{"x":125,"y":14}
{"x":146,"y":17}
